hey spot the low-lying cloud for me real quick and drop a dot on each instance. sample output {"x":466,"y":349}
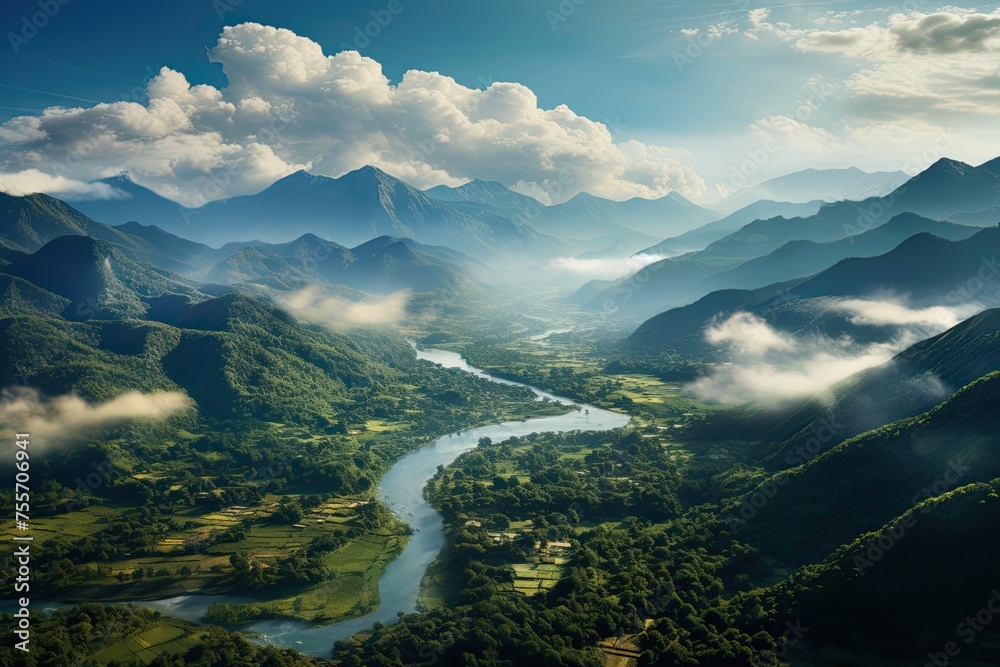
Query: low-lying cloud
{"x":748,"y":334}
{"x":771,"y":365}
{"x":31,"y":181}
{"x":63,"y":419}
{"x":605,"y":268}
{"x":311,"y":305}
{"x":888,"y":313}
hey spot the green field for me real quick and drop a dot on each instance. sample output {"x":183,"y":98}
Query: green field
{"x":167,"y":636}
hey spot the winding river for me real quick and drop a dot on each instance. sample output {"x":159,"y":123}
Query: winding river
{"x":402,"y":490}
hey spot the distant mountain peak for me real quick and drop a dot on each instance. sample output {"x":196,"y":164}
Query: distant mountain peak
{"x":301,"y":176}
{"x":368,"y":171}
{"x":585,"y":197}
{"x":991,"y":165}
{"x":122,"y":176}
{"x":948,"y":165}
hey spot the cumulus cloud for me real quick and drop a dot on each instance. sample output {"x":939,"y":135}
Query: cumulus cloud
{"x":855,"y":41}
{"x":63,"y":419}
{"x":950,"y":30}
{"x":31,"y":181}
{"x":290,"y":106}
{"x":311,"y":305}
{"x":961,"y":31}
{"x":900,"y":80}
{"x":919,"y":63}
{"x":604,"y":268}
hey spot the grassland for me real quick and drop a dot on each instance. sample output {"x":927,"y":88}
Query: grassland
{"x":175,"y":564}
{"x":167,"y":636}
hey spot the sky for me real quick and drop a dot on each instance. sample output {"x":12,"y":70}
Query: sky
{"x":201,"y":99}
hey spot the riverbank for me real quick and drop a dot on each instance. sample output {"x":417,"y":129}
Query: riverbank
{"x":401,"y":489}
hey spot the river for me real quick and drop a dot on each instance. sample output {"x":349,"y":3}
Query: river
{"x":401,"y":488}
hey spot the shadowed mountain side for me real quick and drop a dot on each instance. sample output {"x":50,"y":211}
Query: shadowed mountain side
{"x":866,"y":481}
{"x":911,"y":382}
{"x":701,"y":237}
{"x":96,"y":276}
{"x":945,"y":188}
{"x":357,"y":207}
{"x":805,"y":258}
{"x":910,"y":589}
{"x":811,"y":304}
{"x":384,"y":264}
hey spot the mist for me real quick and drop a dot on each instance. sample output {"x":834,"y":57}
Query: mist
{"x":765,"y":364}
{"x":604,"y":268}
{"x":311,"y":305}
{"x":60,"y":420}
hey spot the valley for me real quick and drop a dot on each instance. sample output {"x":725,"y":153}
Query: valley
{"x":335,"y":490}
{"x":501,"y":335}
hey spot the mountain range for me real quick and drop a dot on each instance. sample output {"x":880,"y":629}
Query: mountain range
{"x":384,"y":264}
{"x":354,"y":208}
{"x":96,"y":310}
{"x":812,"y":304}
{"x":46,"y":226}
{"x":830,"y":185}
{"x":479,"y":217}
{"x":946,"y":187}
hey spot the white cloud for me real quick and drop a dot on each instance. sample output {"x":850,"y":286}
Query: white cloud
{"x":743,"y":383}
{"x":898,"y":81}
{"x":289,"y":106}
{"x":63,"y":419}
{"x":917,"y":63}
{"x":888,"y":313}
{"x":769,"y":365}
{"x":856,"y":41}
{"x":31,"y":181}
{"x":747,"y":333}
{"x":786,"y":131}
{"x":604,"y":268}
{"x":311,"y":305}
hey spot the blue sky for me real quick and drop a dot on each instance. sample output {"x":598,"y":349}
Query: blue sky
{"x":686,"y":92}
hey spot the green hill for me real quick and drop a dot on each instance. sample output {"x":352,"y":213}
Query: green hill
{"x":97,"y":277}
{"x":908,"y":589}
{"x":861,"y":484}
{"x":913,"y":381}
